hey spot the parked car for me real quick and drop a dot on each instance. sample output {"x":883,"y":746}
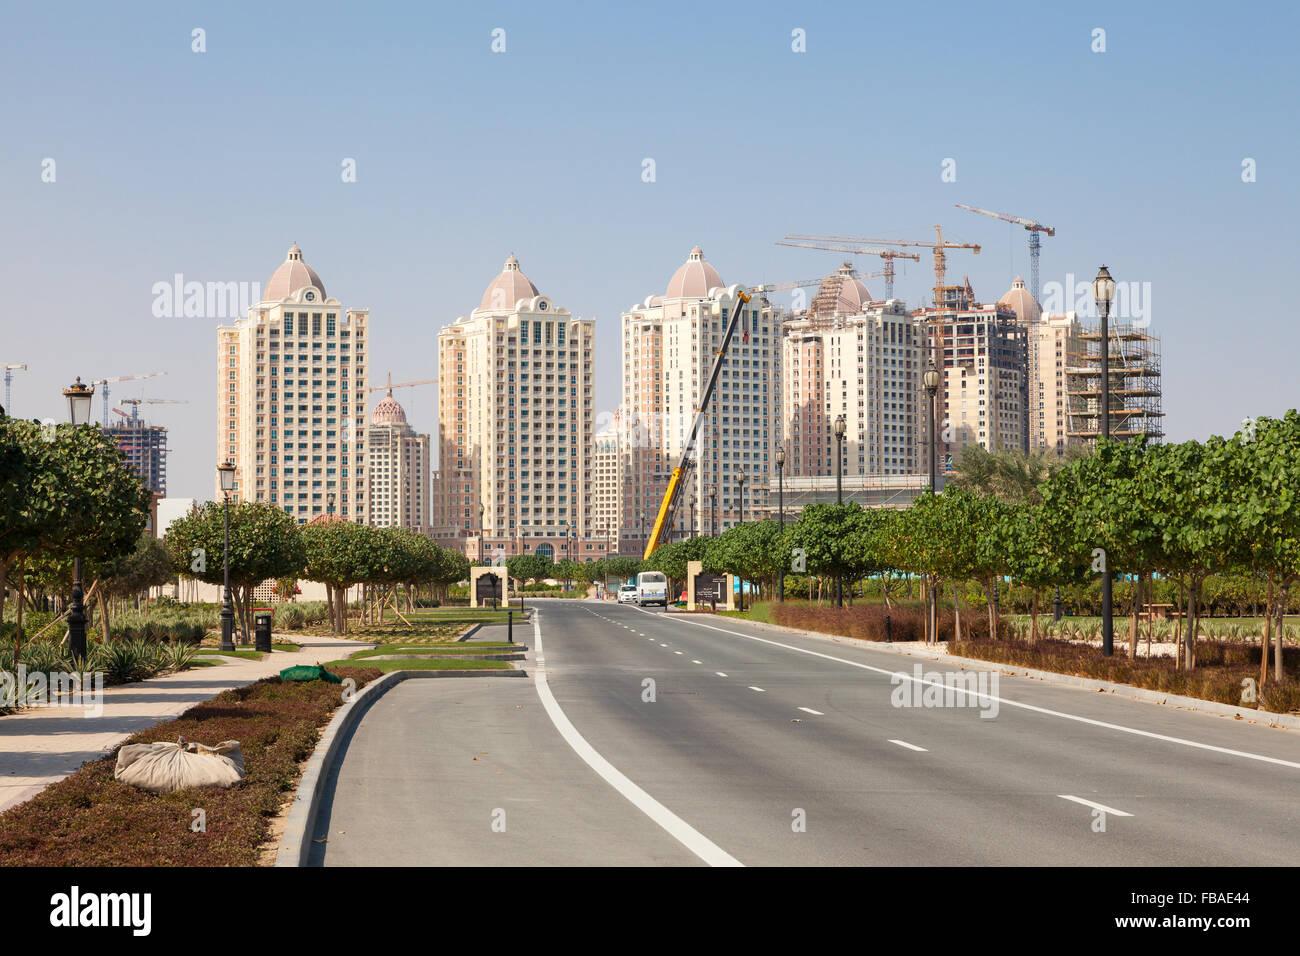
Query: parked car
{"x":627,"y":594}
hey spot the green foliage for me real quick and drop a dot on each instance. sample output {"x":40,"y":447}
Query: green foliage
{"x":265,"y":542}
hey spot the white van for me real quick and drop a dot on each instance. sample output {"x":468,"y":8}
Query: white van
{"x":652,"y":588}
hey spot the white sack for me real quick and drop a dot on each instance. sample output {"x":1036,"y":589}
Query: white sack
{"x":164,"y":767}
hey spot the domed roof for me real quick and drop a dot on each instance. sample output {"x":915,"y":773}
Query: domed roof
{"x":508,"y":288}
{"x":1021,"y":301}
{"x":327,"y":518}
{"x":841,"y":292}
{"x":293,"y":274}
{"x":388,"y":412}
{"x":694,"y":279}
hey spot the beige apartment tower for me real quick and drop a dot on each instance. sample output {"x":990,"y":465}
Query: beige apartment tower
{"x":399,"y":470}
{"x":291,"y":398}
{"x":669,"y":345}
{"x":515,"y":425}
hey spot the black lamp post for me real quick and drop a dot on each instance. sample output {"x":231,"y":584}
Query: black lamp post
{"x":780,"y":516}
{"x":1103,"y":290}
{"x":329,"y":503}
{"x":78,"y":397}
{"x":226,"y":472}
{"x":840,"y":426}
{"x":713,"y":519}
{"x":740,"y":482}
{"x":931,"y":380}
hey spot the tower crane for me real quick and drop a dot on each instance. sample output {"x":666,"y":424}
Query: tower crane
{"x":889,"y":255}
{"x":392,"y":385}
{"x":9,"y":391}
{"x":1035,"y":244}
{"x":120,"y":378}
{"x":135,"y":403}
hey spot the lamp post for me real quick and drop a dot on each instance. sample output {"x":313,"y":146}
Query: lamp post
{"x":329,"y":503}
{"x":78,"y":397}
{"x":780,"y":516}
{"x":840,"y":426}
{"x":226,"y":472}
{"x":1103,"y":290}
{"x":931,"y":379}
{"x":740,"y":481}
{"x":482,"y":544}
{"x":713,"y":519}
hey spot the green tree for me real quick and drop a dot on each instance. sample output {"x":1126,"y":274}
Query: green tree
{"x":340,"y":554}
{"x":265,"y":542}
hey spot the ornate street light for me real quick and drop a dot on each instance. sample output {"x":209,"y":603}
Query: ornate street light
{"x":780,"y":516}
{"x":78,"y":397}
{"x":931,"y":379}
{"x":1103,"y":290}
{"x":840,"y":426}
{"x":740,"y":481}
{"x":226,"y":474}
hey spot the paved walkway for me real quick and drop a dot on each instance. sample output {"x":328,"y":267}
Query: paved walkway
{"x":43,"y":744}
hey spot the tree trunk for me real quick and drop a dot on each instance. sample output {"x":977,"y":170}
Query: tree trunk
{"x":1033,"y":630}
{"x":956,"y":615}
{"x":1193,"y":606}
{"x":18,"y":617}
{"x":1133,"y":618}
{"x":1268,"y":628}
{"x":103,"y":617}
{"x":1277,"y":648}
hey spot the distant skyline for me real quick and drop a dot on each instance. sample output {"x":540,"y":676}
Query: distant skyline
{"x":211,"y":164}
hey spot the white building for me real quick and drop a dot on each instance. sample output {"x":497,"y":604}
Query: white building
{"x":515,"y":425}
{"x":291,"y":398}
{"x":669,"y":345}
{"x":399,"y":470}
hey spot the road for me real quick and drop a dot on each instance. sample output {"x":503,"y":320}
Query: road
{"x":758,"y":747}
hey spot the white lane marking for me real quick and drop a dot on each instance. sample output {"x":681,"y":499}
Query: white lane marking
{"x":693,"y":661}
{"x":904,"y":743}
{"x":663,"y":645}
{"x":759,"y":689}
{"x":680,"y":830}
{"x":720,"y":674}
{"x":1096,"y":806}
{"x":1263,"y":758}
{"x":809,"y":710}
{"x":676,"y":652}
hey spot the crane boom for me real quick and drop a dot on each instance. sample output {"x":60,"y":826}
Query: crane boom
{"x":669,"y":503}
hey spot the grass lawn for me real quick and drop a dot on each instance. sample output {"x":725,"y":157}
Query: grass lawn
{"x":90,"y":819}
{"x":760,"y":611}
{"x":246,"y":655}
{"x":462,"y":650}
{"x":422,"y":664}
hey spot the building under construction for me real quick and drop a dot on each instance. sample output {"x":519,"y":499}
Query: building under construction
{"x":1135,"y":397}
{"x":145,"y":447}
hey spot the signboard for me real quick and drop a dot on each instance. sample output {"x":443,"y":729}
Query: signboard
{"x":710,"y":588}
{"x":487,"y":588}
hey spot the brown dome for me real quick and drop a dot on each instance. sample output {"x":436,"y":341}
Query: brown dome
{"x":388,"y":412}
{"x":1021,"y":301}
{"x":694,"y":279}
{"x":508,"y":288}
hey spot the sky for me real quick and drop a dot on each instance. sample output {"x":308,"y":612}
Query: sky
{"x":211,"y":163}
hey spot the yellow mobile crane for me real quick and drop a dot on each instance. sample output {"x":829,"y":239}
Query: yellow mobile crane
{"x":669,"y":504}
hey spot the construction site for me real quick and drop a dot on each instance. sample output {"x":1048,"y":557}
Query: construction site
{"x":1135,"y":385}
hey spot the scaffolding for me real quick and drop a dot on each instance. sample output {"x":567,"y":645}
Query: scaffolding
{"x":1135,"y":385}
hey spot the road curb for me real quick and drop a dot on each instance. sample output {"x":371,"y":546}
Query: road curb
{"x":1281,"y":721}
{"x":295,"y":844}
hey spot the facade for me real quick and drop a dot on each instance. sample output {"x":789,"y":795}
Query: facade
{"x":982,"y":352}
{"x":291,"y":398}
{"x":669,"y":345}
{"x":145,"y":447}
{"x":605,"y":490}
{"x":399,"y":470}
{"x":1135,"y":384}
{"x":847,"y":355}
{"x":1052,"y":342}
{"x":515,"y":425}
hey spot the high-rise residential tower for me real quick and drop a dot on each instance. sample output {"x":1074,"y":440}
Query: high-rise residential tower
{"x":291,"y":398}
{"x":399,"y":469}
{"x":515,"y":425}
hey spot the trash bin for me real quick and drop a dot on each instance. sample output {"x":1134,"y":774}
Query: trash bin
{"x":262,"y":632}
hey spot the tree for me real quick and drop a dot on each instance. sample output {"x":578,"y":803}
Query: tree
{"x":530,"y":567}
{"x":833,"y":541}
{"x":340,"y":554}
{"x":755,"y":551}
{"x":265,"y":542}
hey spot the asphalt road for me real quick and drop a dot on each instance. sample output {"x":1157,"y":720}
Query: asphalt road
{"x":764,"y":748}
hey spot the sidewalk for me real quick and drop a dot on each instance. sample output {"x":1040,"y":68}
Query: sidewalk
{"x":44,"y":744}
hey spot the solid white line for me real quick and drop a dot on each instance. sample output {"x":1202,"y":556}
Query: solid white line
{"x":1263,"y":758}
{"x":904,"y":743}
{"x":809,"y":710}
{"x":1095,"y":806}
{"x":720,"y":674}
{"x":682,"y":831}
{"x":759,"y":689}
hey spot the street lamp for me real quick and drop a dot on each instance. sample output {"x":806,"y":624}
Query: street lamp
{"x":78,"y":397}
{"x":329,"y":503}
{"x":931,"y":379}
{"x":840,"y":426}
{"x":713,"y":519}
{"x":1103,"y":290}
{"x":482,"y":544}
{"x":780,"y":516}
{"x":740,"y":480}
{"x":226,"y":474}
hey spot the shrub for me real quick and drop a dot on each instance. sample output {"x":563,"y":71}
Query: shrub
{"x":866,"y":622}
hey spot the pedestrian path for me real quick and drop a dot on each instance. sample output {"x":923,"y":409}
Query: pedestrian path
{"x":43,"y":744}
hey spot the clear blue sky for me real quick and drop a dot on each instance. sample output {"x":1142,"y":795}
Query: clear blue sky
{"x":212,"y":164}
